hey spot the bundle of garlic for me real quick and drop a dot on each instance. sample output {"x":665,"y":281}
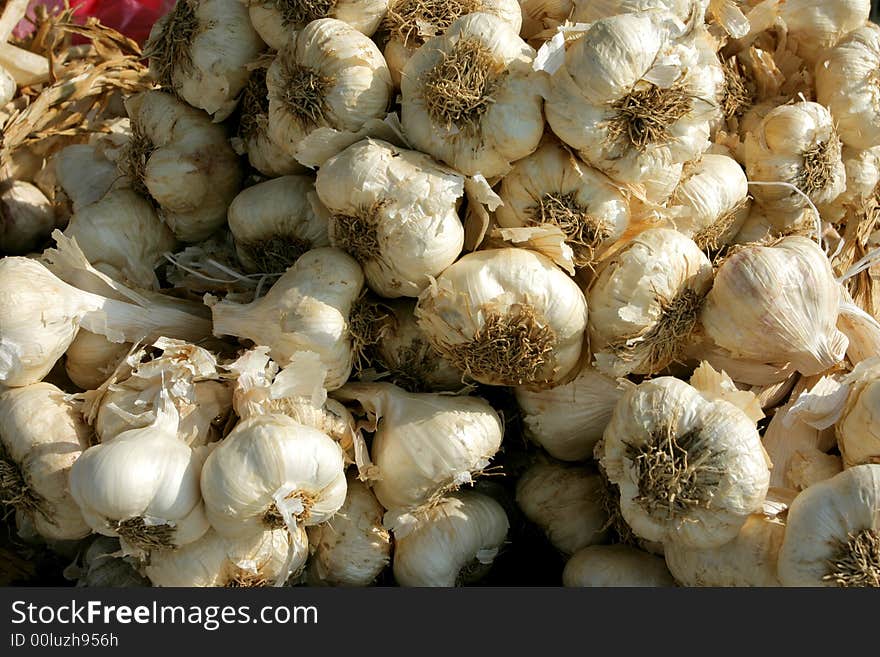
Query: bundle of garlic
{"x":275,"y":20}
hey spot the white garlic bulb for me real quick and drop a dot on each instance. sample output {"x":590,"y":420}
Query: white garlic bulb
{"x":26,"y":218}
{"x":424,"y":444}
{"x":551,"y":187}
{"x":645,"y":302}
{"x":452,"y":543}
{"x":690,"y":469}
{"x":635,"y":94}
{"x":846,"y":85}
{"x":795,"y":144}
{"x":275,"y":222}
{"x":588,"y":11}
{"x":262,"y":558}
{"x":43,"y":434}
{"x":568,"y":420}
{"x":857,"y":434}
{"x":832,"y":536}
{"x":564,"y":501}
{"x":506,"y":317}
{"x":748,"y":560}
{"x":329,"y":79}
{"x":123,"y":236}
{"x":470,"y":98}
{"x":275,"y":20}
{"x":85,"y":174}
{"x":142,"y":486}
{"x":182,"y":161}
{"x":777,"y":303}
{"x":394,"y":211}
{"x":815,"y":25}
{"x":711,"y":202}
{"x":307,"y":309}
{"x":200,"y":50}
{"x":615,"y":566}
{"x":271,"y":472}
{"x":352,"y":548}
{"x":412,"y":22}
{"x":91,"y":359}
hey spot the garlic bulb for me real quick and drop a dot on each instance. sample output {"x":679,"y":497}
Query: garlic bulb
{"x":564,"y":502}
{"x":101,"y":567}
{"x":832,"y":537}
{"x":615,"y":566}
{"x":815,"y":25}
{"x":809,"y":467}
{"x":8,"y":87}
{"x":182,"y":161}
{"x":857,"y":433}
{"x":635,"y":95}
{"x":711,"y":202}
{"x":122,"y":235}
{"x":506,"y":317}
{"x":43,"y":434}
{"x":275,"y":222}
{"x":795,"y":144}
{"x":142,"y":486}
{"x":404,"y":351}
{"x":748,"y":560}
{"x":777,"y":303}
{"x":588,"y":11}
{"x":690,"y":469}
{"x":91,"y":359}
{"x":424,"y":444}
{"x":470,"y":98}
{"x":84,"y":173}
{"x":412,"y":22}
{"x":568,"y":420}
{"x":271,"y":472}
{"x":329,"y":79}
{"x":452,"y":543}
{"x":352,"y":548}
{"x":252,"y":134}
{"x":551,"y":187}
{"x":275,"y":20}
{"x":262,"y":558}
{"x":306,"y":310}
{"x":26,"y":218}
{"x":200,"y":51}
{"x":846,"y":85}
{"x":394,"y":211}
{"x":645,"y":302}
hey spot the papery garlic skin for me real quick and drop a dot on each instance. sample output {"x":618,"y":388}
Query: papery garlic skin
{"x":307,"y":309}
{"x":8,"y":87}
{"x":809,"y":467}
{"x":635,"y":95}
{"x":588,"y":11}
{"x":275,"y":222}
{"x":452,"y":543}
{"x":645,"y":302}
{"x":43,"y":435}
{"x":142,"y":486}
{"x":271,"y":472}
{"x":564,"y":502}
{"x":816,"y":24}
{"x":262,"y":558}
{"x":412,"y":22}
{"x":690,"y":470}
{"x":352,"y":548}
{"x":424,"y":444}
{"x":833,"y":532}
{"x":123,"y":236}
{"x":568,"y":420}
{"x":506,"y":294}
{"x":846,"y":85}
{"x":551,"y":187}
{"x":795,"y":144}
{"x":200,"y":50}
{"x":328,"y":79}
{"x":748,"y":560}
{"x":275,"y":20}
{"x":775,"y":304}
{"x":500,"y":123}
{"x":857,"y":434}
{"x":615,"y":566}
{"x":711,"y":202}
{"x":26,"y":218}
{"x":394,"y":211}
{"x":182,"y":161}
{"x":91,"y":358}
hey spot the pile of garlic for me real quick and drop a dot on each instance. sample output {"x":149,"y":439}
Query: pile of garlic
{"x":379,"y":292}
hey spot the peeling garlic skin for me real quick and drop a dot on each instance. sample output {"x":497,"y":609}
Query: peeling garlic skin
{"x":617,"y":566}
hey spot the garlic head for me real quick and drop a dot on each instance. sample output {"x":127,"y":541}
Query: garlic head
{"x":617,"y":566}
{"x":274,"y":20}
